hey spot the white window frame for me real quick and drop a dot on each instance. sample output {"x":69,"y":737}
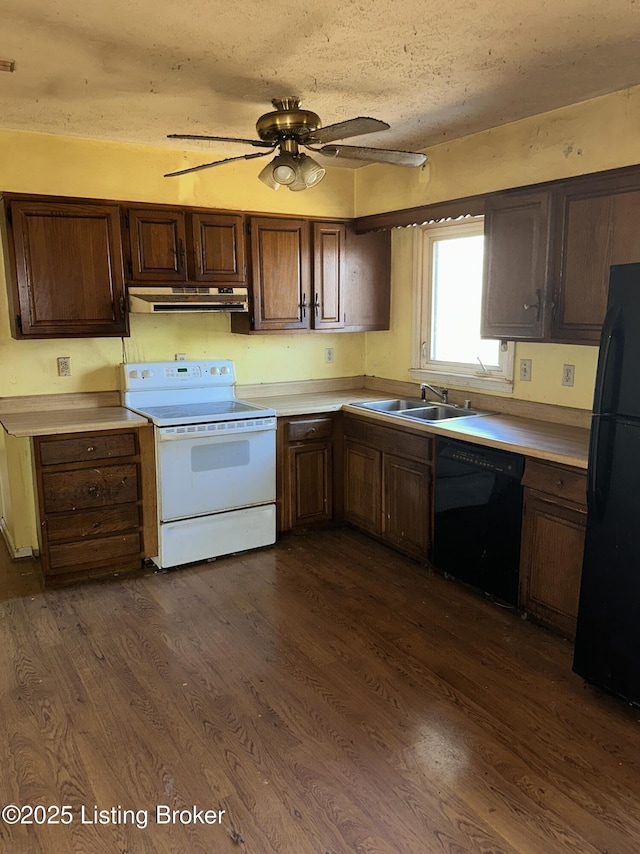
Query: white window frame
{"x":448,"y":374}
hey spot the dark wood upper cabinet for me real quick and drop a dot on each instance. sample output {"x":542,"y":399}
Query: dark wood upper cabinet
{"x":329,"y":246}
{"x":281,"y":274}
{"x":516,"y":265}
{"x":218,"y":248}
{"x":66,"y":260}
{"x":174,"y":245}
{"x":598,"y":225}
{"x":367,"y":290}
{"x":158,"y":245}
{"x":316,"y":275}
{"x":551,"y":248}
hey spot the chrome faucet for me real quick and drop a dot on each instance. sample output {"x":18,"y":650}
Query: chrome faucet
{"x":443,"y":393}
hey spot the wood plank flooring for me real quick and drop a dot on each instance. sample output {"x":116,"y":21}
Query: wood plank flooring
{"x":327,"y":694}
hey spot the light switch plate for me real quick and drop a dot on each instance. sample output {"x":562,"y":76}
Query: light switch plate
{"x":568,"y":374}
{"x":525,"y":370}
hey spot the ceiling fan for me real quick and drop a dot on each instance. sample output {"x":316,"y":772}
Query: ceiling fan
{"x":289,"y":129}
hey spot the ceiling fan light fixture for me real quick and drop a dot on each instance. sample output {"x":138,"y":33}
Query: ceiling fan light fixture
{"x":266,"y":176}
{"x":309,"y":170}
{"x":284,"y":169}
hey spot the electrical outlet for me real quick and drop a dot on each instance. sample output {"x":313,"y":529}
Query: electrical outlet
{"x":64,"y":366}
{"x":181,"y":357}
{"x":568,"y":374}
{"x":525,"y":370}
{"x":328,"y":355}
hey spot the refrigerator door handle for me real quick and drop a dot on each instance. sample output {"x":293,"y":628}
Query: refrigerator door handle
{"x":600,"y":449}
{"x":592,"y":470}
{"x":606,"y":340}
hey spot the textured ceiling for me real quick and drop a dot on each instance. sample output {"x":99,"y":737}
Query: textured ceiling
{"x":135,"y":70}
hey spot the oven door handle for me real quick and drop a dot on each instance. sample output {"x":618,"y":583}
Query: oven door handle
{"x":208,"y":436}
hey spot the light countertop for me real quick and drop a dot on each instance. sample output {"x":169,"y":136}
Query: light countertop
{"x":543,"y":440}
{"x":49,"y":422}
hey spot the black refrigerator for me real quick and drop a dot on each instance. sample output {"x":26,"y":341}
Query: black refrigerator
{"x":607,"y":648}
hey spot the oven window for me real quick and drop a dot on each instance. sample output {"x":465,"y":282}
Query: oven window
{"x":220,"y":455}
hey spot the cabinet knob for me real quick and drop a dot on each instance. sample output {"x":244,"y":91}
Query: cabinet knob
{"x":91,"y":448}
{"x":312,"y":430}
{"x":93,"y":490}
{"x":559,"y":482}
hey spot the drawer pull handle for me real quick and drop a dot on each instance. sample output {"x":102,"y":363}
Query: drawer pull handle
{"x":91,"y":448}
{"x":93,"y":490}
{"x":312,"y":429}
{"x":559,"y":482}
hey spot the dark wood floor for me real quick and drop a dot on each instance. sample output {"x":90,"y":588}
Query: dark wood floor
{"x":327,"y":694}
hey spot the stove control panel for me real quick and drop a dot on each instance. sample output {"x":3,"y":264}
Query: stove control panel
{"x":182,"y":373}
{"x":147,"y":376}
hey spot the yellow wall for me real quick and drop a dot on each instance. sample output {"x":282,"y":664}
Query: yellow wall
{"x":587,"y":137}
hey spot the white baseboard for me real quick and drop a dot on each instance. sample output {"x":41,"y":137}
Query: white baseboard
{"x":25,"y":551}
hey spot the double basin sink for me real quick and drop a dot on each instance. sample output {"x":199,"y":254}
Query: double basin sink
{"x":419,"y":410}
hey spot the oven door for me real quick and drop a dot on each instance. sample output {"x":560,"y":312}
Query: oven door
{"x":200,"y":474}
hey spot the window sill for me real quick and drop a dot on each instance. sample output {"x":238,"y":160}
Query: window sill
{"x":479,"y":381}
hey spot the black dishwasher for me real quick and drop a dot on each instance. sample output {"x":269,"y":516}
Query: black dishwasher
{"x":478,"y":516}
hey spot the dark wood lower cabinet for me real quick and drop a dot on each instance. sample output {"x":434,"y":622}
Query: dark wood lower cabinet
{"x":363,"y":486}
{"x":553,"y":532}
{"x":96,"y":501}
{"x":406,"y":504}
{"x":388,"y":484}
{"x":309,"y":454}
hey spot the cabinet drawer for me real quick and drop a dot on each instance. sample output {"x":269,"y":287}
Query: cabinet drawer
{"x":100,"y":551}
{"x":389,"y":439}
{"x":88,"y":447}
{"x":93,"y":523}
{"x":561,"y":481}
{"x":309,"y":428}
{"x":83,"y":489}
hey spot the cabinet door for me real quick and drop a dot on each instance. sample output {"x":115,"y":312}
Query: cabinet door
{"x":551,"y":561}
{"x":218,"y":248}
{"x":367,"y":291}
{"x":158,"y":245}
{"x":328,"y":275}
{"x":309,"y":470}
{"x":67,"y":266}
{"x":517,"y":251}
{"x":406,"y":516}
{"x":281,"y":271}
{"x":598,"y":227}
{"x":362,"y":475}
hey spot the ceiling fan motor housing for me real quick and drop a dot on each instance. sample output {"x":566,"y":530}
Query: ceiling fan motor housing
{"x":288,"y":121}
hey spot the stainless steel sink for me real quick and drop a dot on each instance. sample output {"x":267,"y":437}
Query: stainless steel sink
{"x":395,"y":405}
{"x":438,"y":412}
{"x":419,"y":410}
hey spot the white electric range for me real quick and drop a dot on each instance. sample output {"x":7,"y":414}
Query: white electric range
{"x":215,"y":459}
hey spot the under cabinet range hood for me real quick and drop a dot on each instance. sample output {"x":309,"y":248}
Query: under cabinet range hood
{"x":158,"y":300}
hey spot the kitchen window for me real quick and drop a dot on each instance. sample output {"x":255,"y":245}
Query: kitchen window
{"x":447,"y":348}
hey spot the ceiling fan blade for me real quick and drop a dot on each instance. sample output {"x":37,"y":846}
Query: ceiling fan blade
{"x":376,"y":155}
{"x":259,"y":143}
{"x":344,"y":130}
{"x":219,"y":163}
